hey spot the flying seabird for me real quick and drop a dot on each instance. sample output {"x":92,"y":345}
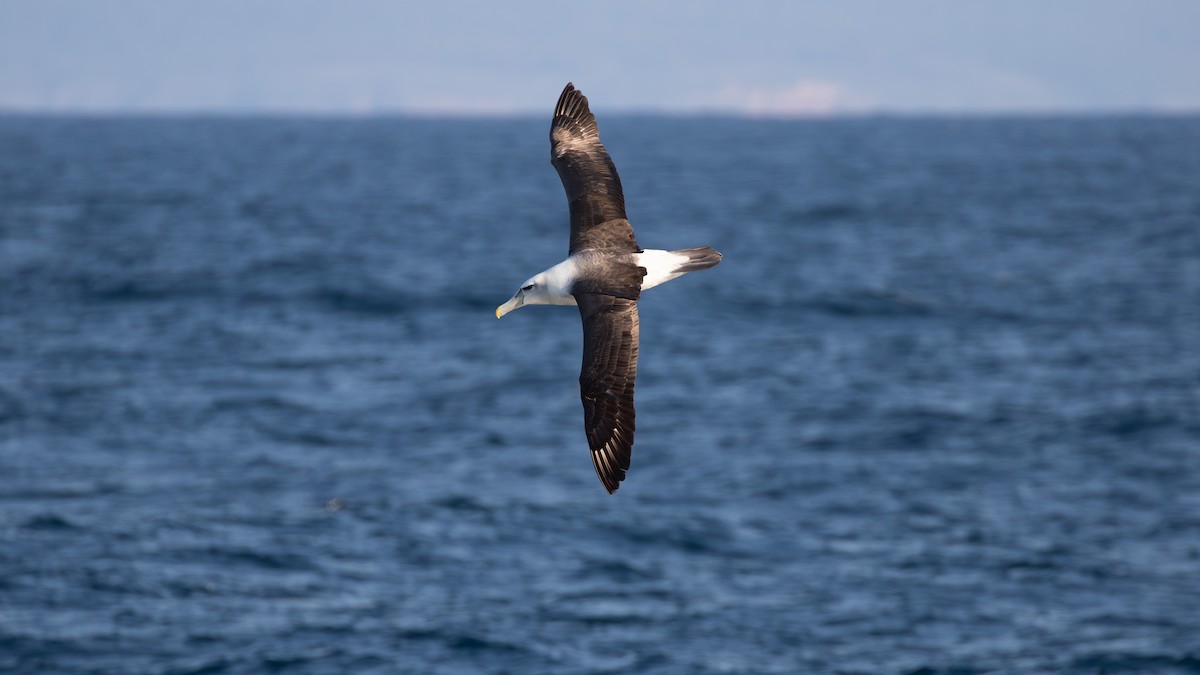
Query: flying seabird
{"x":604,"y":274}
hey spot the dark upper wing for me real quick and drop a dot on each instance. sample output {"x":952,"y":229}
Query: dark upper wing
{"x":589,"y":177}
{"x":610,"y":349}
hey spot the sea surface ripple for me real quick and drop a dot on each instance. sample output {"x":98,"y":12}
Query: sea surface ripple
{"x":937,"y":412}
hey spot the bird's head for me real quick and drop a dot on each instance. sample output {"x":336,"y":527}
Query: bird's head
{"x":532,"y":292}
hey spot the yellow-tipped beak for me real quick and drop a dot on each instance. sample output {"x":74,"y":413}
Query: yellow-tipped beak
{"x":516,"y":301}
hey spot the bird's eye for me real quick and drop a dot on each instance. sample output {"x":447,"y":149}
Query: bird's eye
{"x":526,"y":288}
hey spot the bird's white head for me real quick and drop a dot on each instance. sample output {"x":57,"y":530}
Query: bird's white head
{"x":552,"y":287}
{"x":530,"y":293}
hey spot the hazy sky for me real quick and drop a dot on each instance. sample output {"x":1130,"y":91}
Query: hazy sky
{"x":774,"y":57}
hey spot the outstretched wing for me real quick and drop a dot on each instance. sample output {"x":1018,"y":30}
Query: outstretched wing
{"x":610,"y":351}
{"x":589,"y":177}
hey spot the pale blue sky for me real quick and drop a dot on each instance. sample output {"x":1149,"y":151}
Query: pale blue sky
{"x":773,"y":57}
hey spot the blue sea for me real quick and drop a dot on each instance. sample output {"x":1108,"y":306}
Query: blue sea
{"x":937,"y":412}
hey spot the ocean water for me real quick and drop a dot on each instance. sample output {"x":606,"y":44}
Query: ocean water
{"x":938,"y":411}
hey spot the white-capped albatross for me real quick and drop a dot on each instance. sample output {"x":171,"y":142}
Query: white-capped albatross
{"x":604,"y":273}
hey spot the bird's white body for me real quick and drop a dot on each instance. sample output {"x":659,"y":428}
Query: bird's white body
{"x":553,"y":286}
{"x":661,"y":266}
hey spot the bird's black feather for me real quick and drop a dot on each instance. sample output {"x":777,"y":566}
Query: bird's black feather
{"x":594,"y":193}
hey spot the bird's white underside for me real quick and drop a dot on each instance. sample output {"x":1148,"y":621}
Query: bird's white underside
{"x":660,"y":266}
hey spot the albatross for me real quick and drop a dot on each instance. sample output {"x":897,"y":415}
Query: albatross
{"x":604,"y":274}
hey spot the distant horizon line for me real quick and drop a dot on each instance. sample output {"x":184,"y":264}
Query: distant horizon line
{"x":698,"y":113}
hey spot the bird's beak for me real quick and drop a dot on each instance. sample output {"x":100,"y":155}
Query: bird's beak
{"x":516,"y":301}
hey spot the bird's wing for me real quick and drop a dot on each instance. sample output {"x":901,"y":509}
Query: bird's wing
{"x":610,"y":351}
{"x":589,"y":177}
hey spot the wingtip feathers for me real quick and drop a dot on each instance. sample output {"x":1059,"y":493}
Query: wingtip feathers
{"x":612,"y":460}
{"x":573,"y":104}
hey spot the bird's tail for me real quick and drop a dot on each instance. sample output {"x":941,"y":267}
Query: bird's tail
{"x":699,"y":258}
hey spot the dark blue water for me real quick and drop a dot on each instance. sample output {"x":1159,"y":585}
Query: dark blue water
{"x":937,"y":412}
